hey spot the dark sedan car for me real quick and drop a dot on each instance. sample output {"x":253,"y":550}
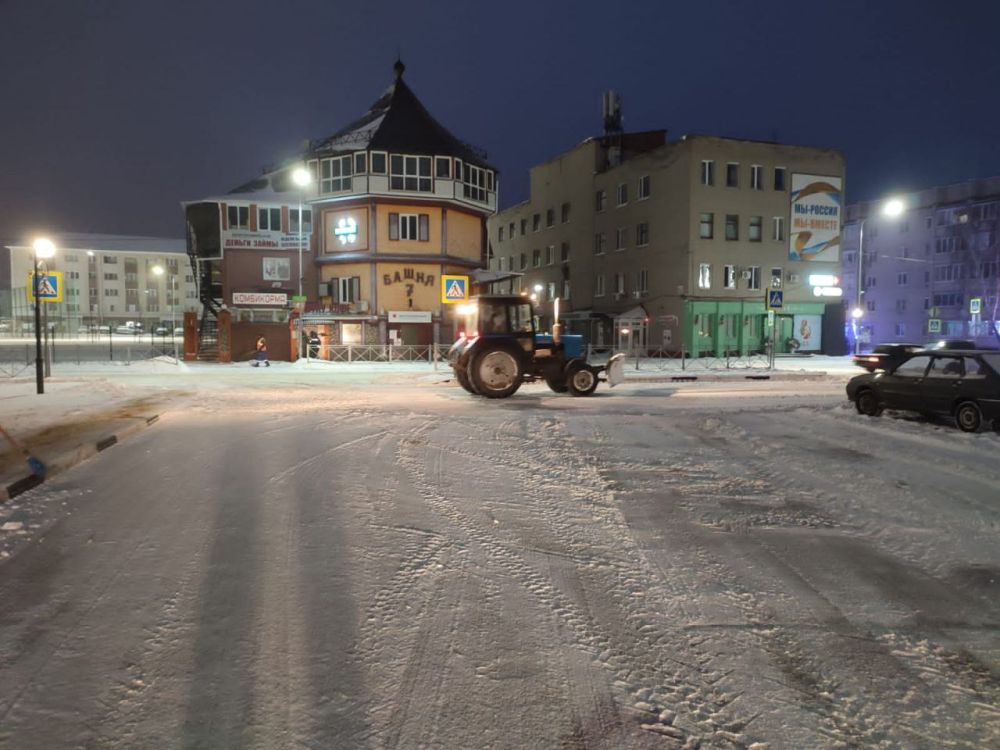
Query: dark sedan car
{"x":960,"y":384}
{"x":885,"y":356}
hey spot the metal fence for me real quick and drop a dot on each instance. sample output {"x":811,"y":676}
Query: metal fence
{"x":430,"y":353}
{"x":16,"y":356}
{"x":662,"y":361}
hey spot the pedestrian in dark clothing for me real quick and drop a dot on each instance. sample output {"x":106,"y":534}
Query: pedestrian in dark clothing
{"x":261,"y":353}
{"x":314,"y":345}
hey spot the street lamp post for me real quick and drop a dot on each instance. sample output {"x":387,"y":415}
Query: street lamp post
{"x":891,"y":208}
{"x":301,"y":177}
{"x":159,"y":271}
{"x":42,"y":248}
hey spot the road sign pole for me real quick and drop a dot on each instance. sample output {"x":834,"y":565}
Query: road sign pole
{"x":39,"y":376}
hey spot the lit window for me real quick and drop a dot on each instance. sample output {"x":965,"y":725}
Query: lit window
{"x":707,"y":172}
{"x":705,"y":276}
{"x":706,"y":226}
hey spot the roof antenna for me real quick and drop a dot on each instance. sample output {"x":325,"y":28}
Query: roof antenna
{"x":398,"y":67}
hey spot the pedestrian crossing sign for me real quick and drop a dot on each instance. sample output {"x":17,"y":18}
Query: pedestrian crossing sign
{"x":775,"y":299}
{"x":50,"y":287}
{"x":454,"y":289}
{"x":934,"y":325}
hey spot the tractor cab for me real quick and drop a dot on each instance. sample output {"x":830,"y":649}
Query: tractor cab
{"x":499,"y":347}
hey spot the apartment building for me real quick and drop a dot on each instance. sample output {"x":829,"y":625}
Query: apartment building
{"x":108,"y":280}
{"x":929,"y":273}
{"x":658,"y":245}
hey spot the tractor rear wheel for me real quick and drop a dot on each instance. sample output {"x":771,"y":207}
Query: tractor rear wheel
{"x":581,"y":379}
{"x":463,"y":380}
{"x":496,"y":372}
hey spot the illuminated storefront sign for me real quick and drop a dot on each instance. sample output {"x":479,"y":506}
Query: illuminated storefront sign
{"x":260,"y":298}
{"x":346,"y":231}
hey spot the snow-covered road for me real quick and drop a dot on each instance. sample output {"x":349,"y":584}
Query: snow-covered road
{"x":731,"y":565}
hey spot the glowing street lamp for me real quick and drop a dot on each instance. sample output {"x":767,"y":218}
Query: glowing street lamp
{"x":301,"y":177}
{"x":891,"y":208}
{"x":42,"y":248}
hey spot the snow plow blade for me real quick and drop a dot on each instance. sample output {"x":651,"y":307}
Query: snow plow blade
{"x":616,"y":370}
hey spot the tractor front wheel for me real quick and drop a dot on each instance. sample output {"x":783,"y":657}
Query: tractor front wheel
{"x":496,"y":372}
{"x":581,"y":379}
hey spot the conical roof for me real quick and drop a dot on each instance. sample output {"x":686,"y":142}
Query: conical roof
{"x":398,"y":123}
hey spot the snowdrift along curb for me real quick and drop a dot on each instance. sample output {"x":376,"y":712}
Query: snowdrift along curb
{"x":71,"y":458}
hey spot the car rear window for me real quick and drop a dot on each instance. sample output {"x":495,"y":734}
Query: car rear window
{"x":974,"y":368}
{"x":993,"y":360}
{"x":947,"y":367}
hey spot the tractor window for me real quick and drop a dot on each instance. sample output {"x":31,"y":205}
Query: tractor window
{"x":493,"y":318}
{"x":520,"y":318}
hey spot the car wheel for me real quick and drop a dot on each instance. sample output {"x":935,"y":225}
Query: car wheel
{"x":496,"y":372}
{"x":581,"y":379}
{"x":968,"y":417}
{"x":866,"y":402}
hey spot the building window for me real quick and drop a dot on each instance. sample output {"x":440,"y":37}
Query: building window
{"x":536,"y":258}
{"x":599,"y":285}
{"x":901,"y":279}
{"x":871,"y":305}
{"x":476,"y":183}
{"x":600,"y":200}
{"x":550,"y":253}
{"x":564,"y":252}
{"x":107,"y":277}
{"x":706,"y":227}
{"x":642,"y":234}
{"x":409,"y":227}
{"x":360,"y":163}
{"x":348,"y":289}
{"x":778,"y":228}
{"x":112,"y":259}
{"x":500,"y":234}
{"x":510,"y":230}
{"x":293,"y":220}
{"x":779,"y":178}
{"x":756,"y":177}
{"x":776,"y":278}
{"x":442,"y":167}
{"x":524,"y":261}
{"x":536,"y":222}
{"x":550,"y":218}
{"x":900,"y":329}
{"x":501,"y":263}
{"x":410,"y":173}
{"x":732,"y":227}
{"x":565,"y":213}
{"x":756,"y":228}
{"x":705,"y":276}
{"x":622,"y":194}
{"x":707,"y":172}
{"x":269,"y":219}
{"x":732,"y":174}
{"x":901,"y":305}
{"x":239,"y":218}
{"x":729,"y":277}
{"x":642,"y":282}
{"x":565,"y":293}
{"x":643,"y":187}
{"x":600,"y":243}
{"x":753,"y":277}
{"x":378,"y":162}
{"x":619,"y":285}
{"x":621,"y":235}
{"x":524,"y":227}
{"x":335,"y":174}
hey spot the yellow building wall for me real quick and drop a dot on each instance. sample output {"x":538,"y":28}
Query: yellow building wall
{"x":465,"y":235}
{"x":399,"y":284}
{"x":362,"y":270}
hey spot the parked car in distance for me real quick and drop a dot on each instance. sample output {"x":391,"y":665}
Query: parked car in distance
{"x":964,"y":384}
{"x":134,"y":330}
{"x":885,"y":356}
{"x":952,"y":344}
{"x":161,"y":331}
{"x":179,"y":331}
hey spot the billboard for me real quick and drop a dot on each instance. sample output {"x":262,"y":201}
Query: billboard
{"x":815,"y":218}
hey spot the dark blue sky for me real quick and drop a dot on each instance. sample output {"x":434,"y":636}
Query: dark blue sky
{"x":113,"y":111}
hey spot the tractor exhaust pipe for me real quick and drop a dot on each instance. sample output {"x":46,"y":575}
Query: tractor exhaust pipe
{"x":556,"y":328}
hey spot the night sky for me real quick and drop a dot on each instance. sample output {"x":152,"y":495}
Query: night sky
{"x":114,"y":111}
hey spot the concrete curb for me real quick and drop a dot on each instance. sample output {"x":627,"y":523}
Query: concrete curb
{"x":69,"y":459}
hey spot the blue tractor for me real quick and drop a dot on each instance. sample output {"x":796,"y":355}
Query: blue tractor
{"x":500,"y":348}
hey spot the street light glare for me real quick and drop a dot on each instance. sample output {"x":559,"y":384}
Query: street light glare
{"x":158,"y":270}
{"x":44,"y":247}
{"x":301,"y":176}
{"x":893,"y":207}
{"x":538,"y":287}
{"x":857,"y":312}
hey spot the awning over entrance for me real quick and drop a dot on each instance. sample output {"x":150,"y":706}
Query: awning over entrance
{"x":637,"y":313}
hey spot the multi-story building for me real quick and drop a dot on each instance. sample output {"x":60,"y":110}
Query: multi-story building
{"x":395,"y":203}
{"x":108,"y":280}
{"x":929,"y":273}
{"x":660,"y":244}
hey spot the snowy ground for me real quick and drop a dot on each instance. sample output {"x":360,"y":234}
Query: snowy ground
{"x":344,"y":559}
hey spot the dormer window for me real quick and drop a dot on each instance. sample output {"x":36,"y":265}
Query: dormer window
{"x":475,"y":183}
{"x":443,"y":167}
{"x":410,"y":173}
{"x":335,"y":174}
